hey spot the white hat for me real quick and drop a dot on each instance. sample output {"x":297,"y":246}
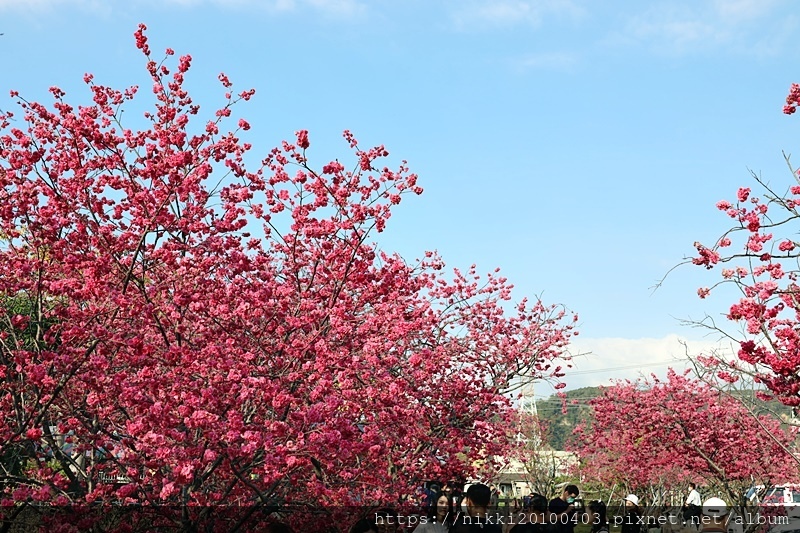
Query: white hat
{"x":715,"y":507}
{"x":631,"y":498}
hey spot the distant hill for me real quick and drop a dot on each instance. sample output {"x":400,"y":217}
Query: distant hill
{"x":560,"y":424}
{"x":760,"y":407}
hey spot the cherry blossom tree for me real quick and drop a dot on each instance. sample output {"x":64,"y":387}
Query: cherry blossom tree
{"x":538,"y":459}
{"x":188,"y":332}
{"x":541,"y":466}
{"x":758,"y":260}
{"x":665,"y":433}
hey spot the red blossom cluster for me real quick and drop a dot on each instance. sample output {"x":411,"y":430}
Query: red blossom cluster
{"x":207,"y":334}
{"x":764,"y":271}
{"x":792,"y":99}
{"x":665,"y":433}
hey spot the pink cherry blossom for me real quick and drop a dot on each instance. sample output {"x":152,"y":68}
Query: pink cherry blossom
{"x":763,"y":268}
{"x":662,"y":434}
{"x":214,"y":333}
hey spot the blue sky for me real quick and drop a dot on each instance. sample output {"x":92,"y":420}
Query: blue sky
{"x":578,"y":145}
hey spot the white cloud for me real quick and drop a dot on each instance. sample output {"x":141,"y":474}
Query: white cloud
{"x":610,"y":359}
{"x":339,"y":7}
{"x":7,"y":4}
{"x":547,"y":61}
{"x":41,"y":5}
{"x":343,"y":8}
{"x":743,"y":9}
{"x":698,"y":26}
{"x":676,"y":28}
{"x":493,"y":13}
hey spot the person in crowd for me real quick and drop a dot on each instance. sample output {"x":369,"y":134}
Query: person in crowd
{"x":692,"y":506}
{"x":364,"y":525}
{"x":598,"y":516}
{"x":478,"y":519}
{"x":535,"y":521}
{"x":631,"y":523}
{"x":440,"y":516}
{"x":385,"y":520}
{"x":278,"y":527}
{"x":494,"y":500}
{"x":430,"y":493}
{"x":526,"y":501}
{"x":715,"y":516}
{"x":562,"y":510}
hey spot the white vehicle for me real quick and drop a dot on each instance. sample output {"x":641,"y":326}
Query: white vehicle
{"x":792,"y":527}
{"x":787,"y":494}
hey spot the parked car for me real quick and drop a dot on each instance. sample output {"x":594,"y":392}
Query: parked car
{"x":787,"y":494}
{"x":793,"y":526}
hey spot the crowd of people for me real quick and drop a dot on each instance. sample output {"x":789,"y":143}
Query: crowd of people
{"x":448,"y":510}
{"x":476,"y":511}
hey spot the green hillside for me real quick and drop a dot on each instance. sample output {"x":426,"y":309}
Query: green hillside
{"x":561,"y":416}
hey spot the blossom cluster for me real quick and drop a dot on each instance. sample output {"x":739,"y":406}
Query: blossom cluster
{"x":204,"y":333}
